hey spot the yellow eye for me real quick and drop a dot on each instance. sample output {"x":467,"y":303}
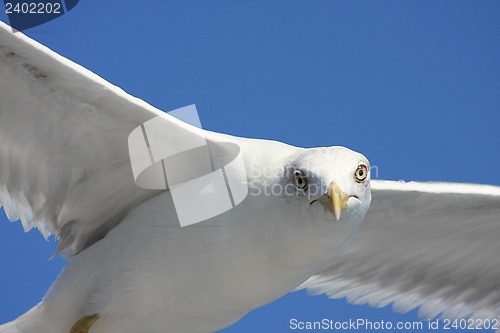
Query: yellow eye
{"x":361,"y":173}
{"x":299,"y":180}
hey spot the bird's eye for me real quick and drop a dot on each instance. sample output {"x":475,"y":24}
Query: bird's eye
{"x":361,"y":173}
{"x":299,"y":180}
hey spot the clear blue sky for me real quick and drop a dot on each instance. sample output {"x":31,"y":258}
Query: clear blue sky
{"x":414,"y":85}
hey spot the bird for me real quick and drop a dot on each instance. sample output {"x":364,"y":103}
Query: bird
{"x":308,"y":218}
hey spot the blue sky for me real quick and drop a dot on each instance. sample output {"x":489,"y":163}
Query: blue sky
{"x":413,"y":85}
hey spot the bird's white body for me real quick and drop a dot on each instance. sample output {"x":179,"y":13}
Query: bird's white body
{"x":150,"y":275}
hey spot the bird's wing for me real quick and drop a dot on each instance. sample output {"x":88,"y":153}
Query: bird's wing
{"x":430,"y":245}
{"x":64,"y":158}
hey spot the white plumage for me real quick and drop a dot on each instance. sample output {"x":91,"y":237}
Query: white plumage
{"x":64,"y":168}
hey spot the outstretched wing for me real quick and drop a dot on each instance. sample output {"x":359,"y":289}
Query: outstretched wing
{"x":64,"y":159}
{"x":430,"y":245}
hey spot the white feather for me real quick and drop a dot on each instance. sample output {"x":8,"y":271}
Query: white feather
{"x":428,"y":245}
{"x":63,"y":131}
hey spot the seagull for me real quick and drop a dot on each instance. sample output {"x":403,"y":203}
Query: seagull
{"x":308,"y":218}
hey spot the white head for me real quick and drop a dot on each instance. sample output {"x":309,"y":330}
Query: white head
{"x":335,"y":179}
{"x":318,"y":196}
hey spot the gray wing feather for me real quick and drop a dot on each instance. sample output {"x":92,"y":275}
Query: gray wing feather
{"x":64,"y":162}
{"x":430,"y":245}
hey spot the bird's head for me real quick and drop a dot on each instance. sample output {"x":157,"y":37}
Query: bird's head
{"x":308,"y":203}
{"x":332,"y":194}
{"x":325,"y":199}
{"x":332,"y":184}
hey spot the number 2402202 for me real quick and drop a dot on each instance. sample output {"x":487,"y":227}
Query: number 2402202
{"x":33,"y":8}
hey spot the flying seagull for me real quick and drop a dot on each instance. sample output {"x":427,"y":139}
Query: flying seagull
{"x":312,"y":218}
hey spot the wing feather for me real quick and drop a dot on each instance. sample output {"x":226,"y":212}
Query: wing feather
{"x":430,"y":245}
{"x":64,"y":161}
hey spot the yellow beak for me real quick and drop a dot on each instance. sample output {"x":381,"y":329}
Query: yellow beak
{"x":337,"y":200}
